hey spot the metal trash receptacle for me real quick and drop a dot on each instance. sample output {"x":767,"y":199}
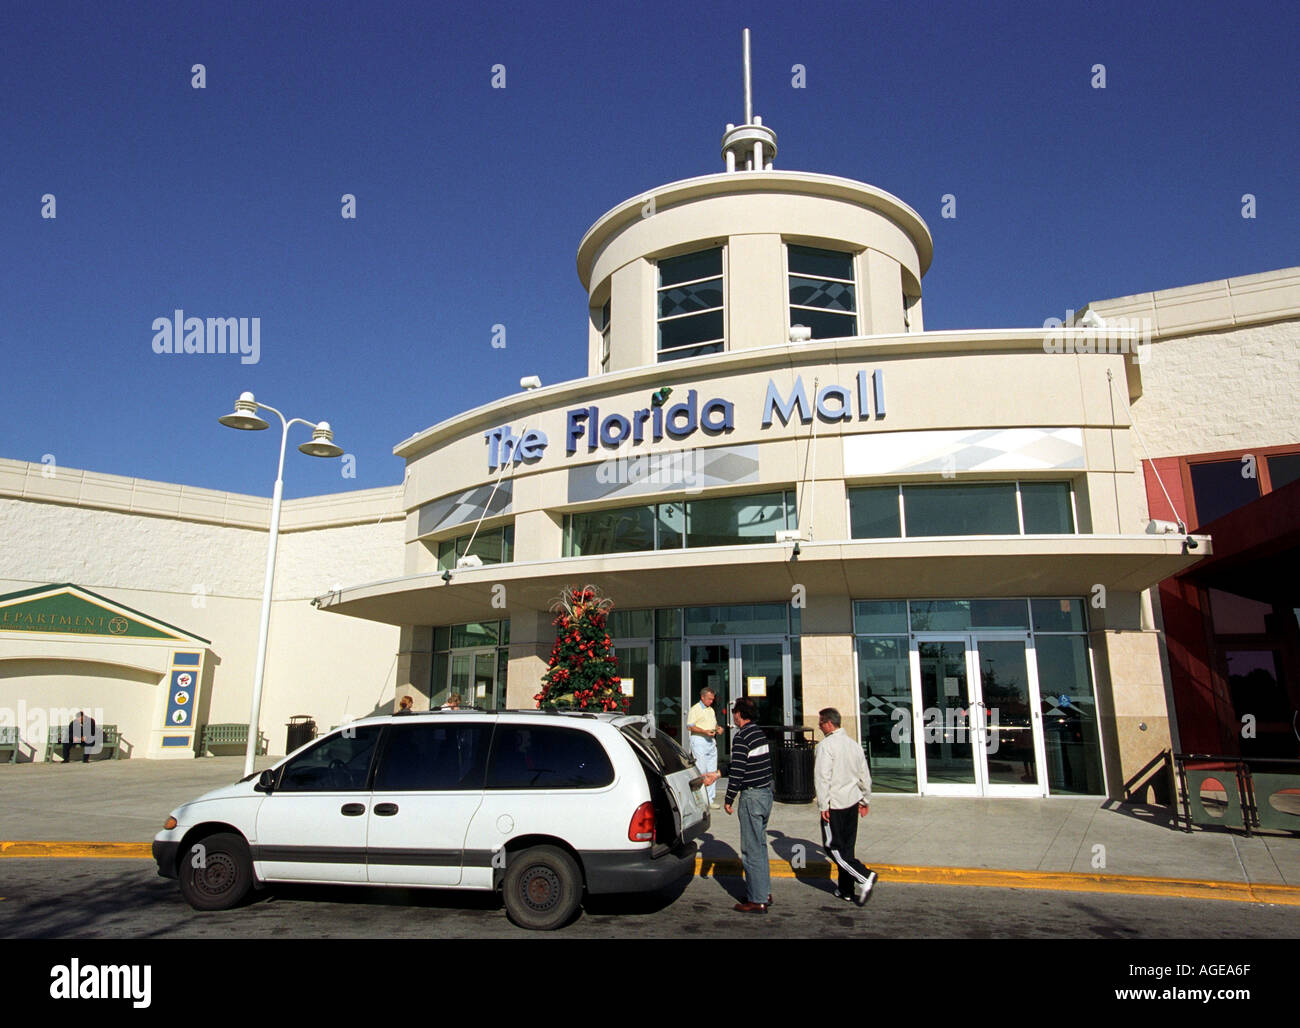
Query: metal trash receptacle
{"x":302,"y":729}
{"x":792,"y":763}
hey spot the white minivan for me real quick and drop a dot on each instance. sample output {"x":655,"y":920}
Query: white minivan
{"x":539,"y":804}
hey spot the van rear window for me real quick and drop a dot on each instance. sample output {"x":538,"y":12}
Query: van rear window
{"x":547,"y":757}
{"x":672,"y":758}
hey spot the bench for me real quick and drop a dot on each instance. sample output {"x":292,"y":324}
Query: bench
{"x":110,"y":741}
{"x":228,"y":734}
{"x":9,"y":741}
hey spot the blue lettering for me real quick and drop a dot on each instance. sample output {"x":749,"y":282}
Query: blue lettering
{"x":772,"y":403}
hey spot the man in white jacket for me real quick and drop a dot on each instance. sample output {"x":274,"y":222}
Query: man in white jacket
{"x":843,"y":796}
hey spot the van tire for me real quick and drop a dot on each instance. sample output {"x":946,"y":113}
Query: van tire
{"x":215,"y":872}
{"x":542,"y":888}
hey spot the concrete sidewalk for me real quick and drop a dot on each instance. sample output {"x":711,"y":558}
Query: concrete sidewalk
{"x":1047,"y":843}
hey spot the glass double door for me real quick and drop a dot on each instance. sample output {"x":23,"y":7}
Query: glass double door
{"x":757,"y":668}
{"x":977,"y":724}
{"x":474,"y":676}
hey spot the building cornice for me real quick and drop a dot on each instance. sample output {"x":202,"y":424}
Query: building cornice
{"x":766,"y":182}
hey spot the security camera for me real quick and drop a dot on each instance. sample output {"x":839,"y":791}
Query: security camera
{"x":800,"y":333}
{"x":530,"y":382}
{"x":1156,"y":527}
{"x":470,"y":560}
{"x":1091,"y":319}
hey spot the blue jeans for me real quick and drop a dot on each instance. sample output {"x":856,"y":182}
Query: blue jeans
{"x":753,"y":809}
{"x":705,"y":752}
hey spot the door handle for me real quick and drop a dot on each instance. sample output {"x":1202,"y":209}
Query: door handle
{"x":385,"y":809}
{"x":352,"y":809}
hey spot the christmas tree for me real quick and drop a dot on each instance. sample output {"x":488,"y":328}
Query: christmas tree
{"x":582,"y":673}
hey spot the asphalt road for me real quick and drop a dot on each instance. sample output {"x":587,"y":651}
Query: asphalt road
{"x":115,"y":899}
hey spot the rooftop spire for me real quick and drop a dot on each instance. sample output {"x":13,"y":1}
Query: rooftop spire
{"x":751,"y":146}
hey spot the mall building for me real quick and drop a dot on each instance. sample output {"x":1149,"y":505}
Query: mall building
{"x":789,"y":489}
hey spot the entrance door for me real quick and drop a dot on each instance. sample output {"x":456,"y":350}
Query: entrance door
{"x":473,"y":676}
{"x":977,"y":716}
{"x":710,"y":667}
{"x":757,"y":668}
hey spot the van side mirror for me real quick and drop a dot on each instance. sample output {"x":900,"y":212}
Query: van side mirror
{"x":266,"y":781}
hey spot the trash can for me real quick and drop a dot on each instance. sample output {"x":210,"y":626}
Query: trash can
{"x":302,"y":729}
{"x":792,"y":763}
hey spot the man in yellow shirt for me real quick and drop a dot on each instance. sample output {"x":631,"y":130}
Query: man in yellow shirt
{"x":702,"y":724}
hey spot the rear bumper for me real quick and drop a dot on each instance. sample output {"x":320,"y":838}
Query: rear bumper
{"x":637,"y":870}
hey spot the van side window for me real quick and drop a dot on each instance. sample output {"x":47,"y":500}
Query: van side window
{"x":338,"y":763}
{"x":547,"y":757}
{"x":433,"y":757}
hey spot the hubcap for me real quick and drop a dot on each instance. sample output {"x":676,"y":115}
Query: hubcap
{"x":540,"y":887}
{"x":218,"y":876}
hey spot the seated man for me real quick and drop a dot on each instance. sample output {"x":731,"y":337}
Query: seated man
{"x":81,"y":731}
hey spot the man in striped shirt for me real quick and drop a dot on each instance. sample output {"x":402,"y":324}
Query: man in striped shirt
{"x":750,"y":775}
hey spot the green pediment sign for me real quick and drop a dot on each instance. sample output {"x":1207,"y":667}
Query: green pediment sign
{"x":69,"y":610}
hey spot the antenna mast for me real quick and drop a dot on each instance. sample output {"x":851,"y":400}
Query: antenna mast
{"x":751,"y":146}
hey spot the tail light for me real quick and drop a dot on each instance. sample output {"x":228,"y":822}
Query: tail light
{"x":642,"y":826}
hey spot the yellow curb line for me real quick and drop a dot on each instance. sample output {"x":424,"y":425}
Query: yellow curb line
{"x":1059,"y":881}
{"x":122,"y":850}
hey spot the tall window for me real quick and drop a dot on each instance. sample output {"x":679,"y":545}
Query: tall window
{"x":822,"y":293}
{"x":690,"y":305}
{"x":602,"y":323}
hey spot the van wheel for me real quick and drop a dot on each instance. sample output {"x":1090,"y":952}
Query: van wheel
{"x":216,"y":872}
{"x":542,"y":888}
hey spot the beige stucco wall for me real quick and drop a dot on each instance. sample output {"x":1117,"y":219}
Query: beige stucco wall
{"x":205,"y":576}
{"x":1224,"y":365}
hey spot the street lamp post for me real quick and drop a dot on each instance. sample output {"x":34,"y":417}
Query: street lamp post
{"x":245,"y":417}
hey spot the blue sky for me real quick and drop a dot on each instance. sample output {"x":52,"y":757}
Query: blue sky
{"x":225,"y":201}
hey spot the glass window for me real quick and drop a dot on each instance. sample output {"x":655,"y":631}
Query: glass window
{"x":495,"y":546}
{"x":1219,"y":488}
{"x":610,"y":531}
{"x":476,"y":633}
{"x":1046,"y":507}
{"x":631,"y":624}
{"x":670,"y":522}
{"x":736,"y":520}
{"x":876,"y":617}
{"x":671,"y":757}
{"x":985,"y":509}
{"x":602,"y":326}
{"x":547,"y":757}
{"x":822,"y":294}
{"x":1283,"y":469}
{"x":968,"y":615}
{"x":1058,"y":615}
{"x":668,"y":684}
{"x":433,"y":757}
{"x":668,"y":622}
{"x":338,"y":763}
{"x":873,"y":513}
{"x":741,"y":619}
{"x":885,"y":703}
{"x":690,"y":305}
{"x":1070,"y":729}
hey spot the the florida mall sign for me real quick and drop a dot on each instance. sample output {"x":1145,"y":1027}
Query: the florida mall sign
{"x":585,"y":426}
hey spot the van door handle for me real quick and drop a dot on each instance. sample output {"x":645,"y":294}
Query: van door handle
{"x":385,"y":809}
{"x":352,"y":809}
